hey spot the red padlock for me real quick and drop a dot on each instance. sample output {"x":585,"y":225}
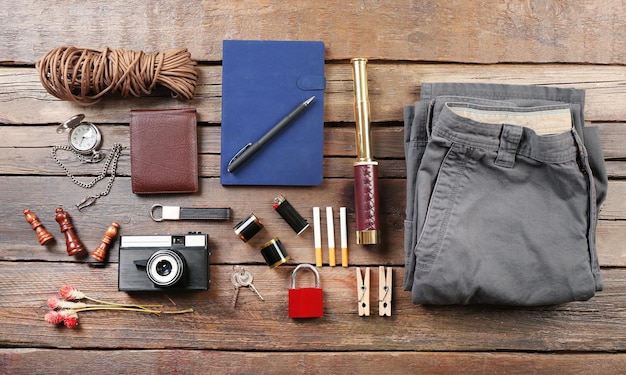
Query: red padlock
{"x":305,"y":302}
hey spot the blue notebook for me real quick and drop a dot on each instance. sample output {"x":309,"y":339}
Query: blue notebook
{"x":262,"y":82}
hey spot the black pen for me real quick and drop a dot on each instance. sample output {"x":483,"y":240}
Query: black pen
{"x":251,"y":148}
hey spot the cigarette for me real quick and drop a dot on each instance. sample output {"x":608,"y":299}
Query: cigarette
{"x":317,"y":235}
{"x":330,"y":226}
{"x":344,"y":236}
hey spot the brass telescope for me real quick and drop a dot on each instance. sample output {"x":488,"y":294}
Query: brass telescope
{"x":365,"y":168}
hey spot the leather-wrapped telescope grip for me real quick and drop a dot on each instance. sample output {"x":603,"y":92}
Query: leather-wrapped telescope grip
{"x":366,"y":202}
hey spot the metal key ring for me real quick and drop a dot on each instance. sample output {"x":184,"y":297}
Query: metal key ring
{"x":153,"y":208}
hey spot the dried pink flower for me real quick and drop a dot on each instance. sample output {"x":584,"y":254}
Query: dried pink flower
{"x":53,"y":317}
{"x":66,"y":310}
{"x":53,"y":302}
{"x":70,"y":319}
{"x":69,"y":293}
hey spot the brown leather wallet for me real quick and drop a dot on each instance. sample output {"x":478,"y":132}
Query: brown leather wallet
{"x":164,"y":151}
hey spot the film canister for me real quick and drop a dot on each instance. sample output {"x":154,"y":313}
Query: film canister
{"x":248,"y":227}
{"x":274,"y":253}
{"x":291,"y":216}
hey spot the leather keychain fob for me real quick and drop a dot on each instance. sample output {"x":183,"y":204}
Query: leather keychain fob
{"x":188,"y":213}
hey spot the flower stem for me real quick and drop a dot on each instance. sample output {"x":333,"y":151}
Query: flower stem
{"x":118,"y":308}
{"x":122,"y":304}
{"x":177,"y":311}
{"x":124,"y":308}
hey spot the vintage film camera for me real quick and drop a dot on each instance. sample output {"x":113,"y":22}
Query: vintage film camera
{"x":164,"y":262}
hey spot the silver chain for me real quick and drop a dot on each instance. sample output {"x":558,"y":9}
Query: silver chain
{"x":111,"y":160}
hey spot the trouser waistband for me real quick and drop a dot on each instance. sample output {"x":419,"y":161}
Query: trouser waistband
{"x":529,"y":95}
{"x":507,"y":139}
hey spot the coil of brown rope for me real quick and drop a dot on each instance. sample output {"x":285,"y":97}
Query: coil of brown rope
{"x":85,"y":75}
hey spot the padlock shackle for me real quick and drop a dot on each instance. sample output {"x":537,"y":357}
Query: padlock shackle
{"x":305,"y":266}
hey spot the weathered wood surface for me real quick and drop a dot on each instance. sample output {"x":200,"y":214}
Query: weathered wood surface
{"x":219,"y":362}
{"x":396,"y":85}
{"x":483,"y":31}
{"x":578,"y":44}
{"x":264,"y":325}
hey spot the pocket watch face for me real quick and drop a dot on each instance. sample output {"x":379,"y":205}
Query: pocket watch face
{"x":85,"y":137}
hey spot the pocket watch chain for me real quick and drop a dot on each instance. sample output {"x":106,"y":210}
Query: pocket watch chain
{"x":111,"y":160}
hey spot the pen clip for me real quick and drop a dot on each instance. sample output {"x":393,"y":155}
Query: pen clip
{"x":239,"y":153}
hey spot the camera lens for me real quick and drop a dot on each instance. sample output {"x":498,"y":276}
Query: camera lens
{"x":165,"y":268}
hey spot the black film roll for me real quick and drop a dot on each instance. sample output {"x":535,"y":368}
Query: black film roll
{"x":274,"y":253}
{"x":248,"y":227}
{"x":291,"y":216}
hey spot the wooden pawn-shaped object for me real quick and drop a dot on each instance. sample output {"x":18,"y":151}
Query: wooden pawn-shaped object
{"x":74,"y":246}
{"x":42,"y":234}
{"x":100,"y":252}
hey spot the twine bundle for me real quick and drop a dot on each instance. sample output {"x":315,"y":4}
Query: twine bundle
{"x":85,"y":75}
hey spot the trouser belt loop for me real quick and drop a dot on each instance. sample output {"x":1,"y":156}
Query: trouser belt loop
{"x":429,"y":119}
{"x":509,"y":142}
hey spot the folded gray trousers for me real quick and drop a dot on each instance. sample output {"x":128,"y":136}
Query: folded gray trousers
{"x":504,"y":184}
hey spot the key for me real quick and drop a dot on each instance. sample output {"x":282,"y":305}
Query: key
{"x":245,"y":279}
{"x":233,"y":279}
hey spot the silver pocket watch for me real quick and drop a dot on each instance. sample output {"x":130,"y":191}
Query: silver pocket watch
{"x":84,"y":141}
{"x":84,"y":137}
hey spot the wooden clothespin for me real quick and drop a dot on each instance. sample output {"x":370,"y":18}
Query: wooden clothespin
{"x":363,"y":291}
{"x":385,"y":284}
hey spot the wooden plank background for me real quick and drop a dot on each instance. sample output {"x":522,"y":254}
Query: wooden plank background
{"x":579,"y":44}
